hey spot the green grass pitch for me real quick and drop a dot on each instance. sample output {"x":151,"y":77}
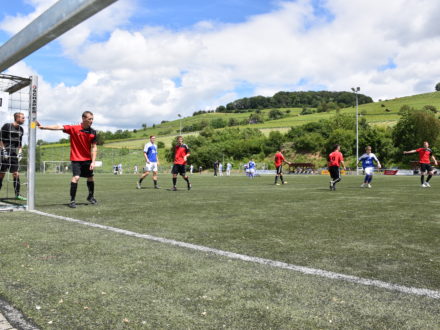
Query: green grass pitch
{"x":64,"y":275}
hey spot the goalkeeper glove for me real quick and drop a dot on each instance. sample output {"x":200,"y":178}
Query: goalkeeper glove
{"x":20,"y":156}
{"x":4,"y":154}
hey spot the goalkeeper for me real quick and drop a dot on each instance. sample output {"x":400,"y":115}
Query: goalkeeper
{"x":11,"y":136}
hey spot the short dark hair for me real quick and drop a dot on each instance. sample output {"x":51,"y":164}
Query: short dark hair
{"x":17,"y":114}
{"x":336,"y":146}
{"x":85,"y":113}
{"x":152,"y":136}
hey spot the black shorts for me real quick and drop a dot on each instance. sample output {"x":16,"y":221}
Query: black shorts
{"x":334,"y":172}
{"x":82,"y":169}
{"x":179,"y":169}
{"x":425,"y":168}
{"x":279,"y":169}
{"x":10,"y":164}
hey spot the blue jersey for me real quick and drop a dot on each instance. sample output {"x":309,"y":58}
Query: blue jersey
{"x":368,"y":160}
{"x":151,"y":151}
{"x":251,"y":165}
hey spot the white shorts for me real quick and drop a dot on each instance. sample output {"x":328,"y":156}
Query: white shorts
{"x":150,"y":167}
{"x":369,"y":170}
{"x":252,"y":171}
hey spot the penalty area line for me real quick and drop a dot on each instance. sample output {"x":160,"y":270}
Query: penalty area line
{"x":277,"y":264}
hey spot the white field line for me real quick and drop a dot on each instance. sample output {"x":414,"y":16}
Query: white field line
{"x":278,"y":264}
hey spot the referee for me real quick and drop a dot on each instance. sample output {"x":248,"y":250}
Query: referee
{"x":83,"y":152}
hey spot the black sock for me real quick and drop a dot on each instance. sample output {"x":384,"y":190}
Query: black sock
{"x":155,"y":183}
{"x":17,"y":186}
{"x":91,"y":186}
{"x":1,"y":183}
{"x":73,"y":187}
{"x":422,"y":179}
{"x":428,"y":178}
{"x":140,"y":180}
{"x":276,"y":179}
{"x":187,"y":180}
{"x":336,"y":181}
{"x":174,"y":182}
{"x":282,"y":179}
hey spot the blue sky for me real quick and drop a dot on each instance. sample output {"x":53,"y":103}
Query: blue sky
{"x":151,"y":59}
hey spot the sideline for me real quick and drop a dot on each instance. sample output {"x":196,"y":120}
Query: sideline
{"x":278,"y":264}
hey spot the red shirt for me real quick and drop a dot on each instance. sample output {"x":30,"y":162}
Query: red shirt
{"x":424,"y":155}
{"x":335,"y":158}
{"x":180,"y":152}
{"x":81,"y":140}
{"x":279,"y":158}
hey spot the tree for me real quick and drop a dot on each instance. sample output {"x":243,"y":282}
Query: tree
{"x":414,"y":127}
{"x":437,"y":87}
{"x":275,"y":114}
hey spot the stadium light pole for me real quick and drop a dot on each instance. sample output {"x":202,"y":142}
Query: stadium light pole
{"x":356,"y":91}
{"x":180,"y":116}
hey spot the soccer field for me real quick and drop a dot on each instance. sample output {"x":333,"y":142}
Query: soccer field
{"x":68,"y":275}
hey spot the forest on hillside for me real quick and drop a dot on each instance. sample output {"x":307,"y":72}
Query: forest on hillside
{"x":321,"y":100}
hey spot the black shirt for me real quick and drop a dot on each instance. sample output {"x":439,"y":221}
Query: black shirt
{"x":11,"y":137}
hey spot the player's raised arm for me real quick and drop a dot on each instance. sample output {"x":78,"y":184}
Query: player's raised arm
{"x":50,"y":127}
{"x":409,"y":152}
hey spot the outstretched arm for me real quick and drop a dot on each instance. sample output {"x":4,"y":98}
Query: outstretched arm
{"x":50,"y":127}
{"x":409,"y":152}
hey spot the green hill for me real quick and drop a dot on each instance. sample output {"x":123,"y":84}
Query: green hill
{"x":381,"y":113}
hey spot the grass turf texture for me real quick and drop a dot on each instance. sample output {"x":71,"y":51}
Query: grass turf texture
{"x":390,"y":233}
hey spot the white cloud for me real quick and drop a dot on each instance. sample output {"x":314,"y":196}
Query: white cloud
{"x":153,"y":73}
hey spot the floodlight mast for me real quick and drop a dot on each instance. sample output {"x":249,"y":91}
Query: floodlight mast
{"x":61,"y":17}
{"x":356,"y":91}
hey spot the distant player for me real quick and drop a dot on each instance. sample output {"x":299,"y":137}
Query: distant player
{"x":251,"y":168}
{"x":228,"y":169}
{"x":368,"y":159}
{"x":425,"y":154}
{"x":152,"y":162}
{"x":83,"y":152}
{"x":335,"y":160}
{"x":220,"y":169}
{"x":11,"y":136}
{"x":181,"y":154}
{"x":279,"y":160}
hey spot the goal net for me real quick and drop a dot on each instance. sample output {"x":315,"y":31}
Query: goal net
{"x":18,"y":95}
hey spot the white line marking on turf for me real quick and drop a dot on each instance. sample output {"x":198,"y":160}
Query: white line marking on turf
{"x":278,"y":264}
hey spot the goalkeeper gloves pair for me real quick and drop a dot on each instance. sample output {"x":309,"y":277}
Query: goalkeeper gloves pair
{"x":5,"y":155}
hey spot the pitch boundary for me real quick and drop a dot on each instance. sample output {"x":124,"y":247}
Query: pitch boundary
{"x":277,"y":264}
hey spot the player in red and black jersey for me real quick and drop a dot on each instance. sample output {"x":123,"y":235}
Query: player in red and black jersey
{"x":83,"y":152}
{"x":335,"y":160}
{"x":425,"y":155}
{"x":181,"y":154}
{"x":279,"y":160}
{"x":11,"y":136}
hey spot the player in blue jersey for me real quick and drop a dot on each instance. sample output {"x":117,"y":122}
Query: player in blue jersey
{"x":152,"y":162}
{"x":368,"y":159}
{"x":251,"y":168}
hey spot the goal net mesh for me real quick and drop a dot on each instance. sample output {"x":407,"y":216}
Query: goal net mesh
{"x":14,"y":98}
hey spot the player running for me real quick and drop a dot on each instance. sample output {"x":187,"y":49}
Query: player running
{"x":368,"y":159}
{"x":11,"y":136}
{"x":83,"y":152}
{"x":181,"y":154}
{"x":335,"y":160}
{"x":425,"y":154}
{"x":152,"y":162}
{"x":279,"y":160}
